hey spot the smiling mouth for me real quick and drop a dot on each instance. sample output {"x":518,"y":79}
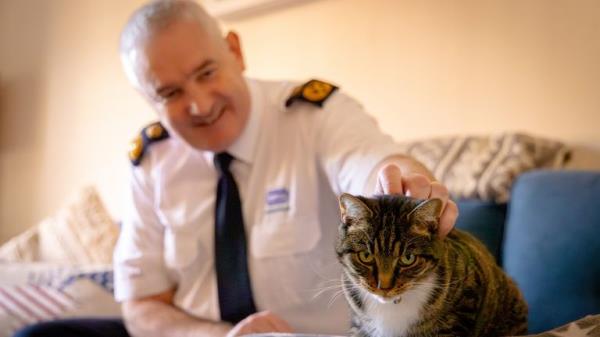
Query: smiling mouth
{"x":208,"y":120}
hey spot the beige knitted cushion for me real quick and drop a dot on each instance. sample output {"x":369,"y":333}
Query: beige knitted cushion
{"x":485,"y":167}
{"x":81,"y":233}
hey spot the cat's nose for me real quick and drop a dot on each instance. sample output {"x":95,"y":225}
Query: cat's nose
{"x":384,"y":283}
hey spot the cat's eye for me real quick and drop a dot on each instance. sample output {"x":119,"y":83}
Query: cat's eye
{"x":365,"y":257}
{"x":408,"y":259}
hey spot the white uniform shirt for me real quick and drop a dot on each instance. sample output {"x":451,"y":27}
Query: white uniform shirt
{"x":290,"y":165}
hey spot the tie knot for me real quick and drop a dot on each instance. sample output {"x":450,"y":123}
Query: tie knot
{"x":222,"y":162}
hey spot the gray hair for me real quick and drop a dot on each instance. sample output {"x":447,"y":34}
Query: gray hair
{"x":151,"y":19}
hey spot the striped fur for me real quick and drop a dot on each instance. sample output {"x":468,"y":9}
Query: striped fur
{"x":401,"y":279}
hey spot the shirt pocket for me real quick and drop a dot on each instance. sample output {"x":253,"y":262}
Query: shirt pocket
{"x":289,"y":221}
{"x":284,"y":235}
{"x":182,"y":250}
{"x":287,"y":249}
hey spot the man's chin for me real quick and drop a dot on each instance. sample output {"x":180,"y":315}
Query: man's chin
{"x":212,"y":146}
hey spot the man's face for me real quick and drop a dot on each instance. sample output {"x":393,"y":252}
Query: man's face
{"x":195,"y":81}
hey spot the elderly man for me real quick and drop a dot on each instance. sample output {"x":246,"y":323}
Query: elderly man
{"x":233,"y":210}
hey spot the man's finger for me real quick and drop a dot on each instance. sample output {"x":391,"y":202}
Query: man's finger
{"x":265,"y":321}
{"x":268,"y":322}
{"x":417,"y":186}
{"x":448,"y":218}
{"x":256,"y":326}
{"x":279,"y":324}
{"x":389,"y":180}
{"x":439,"y":191}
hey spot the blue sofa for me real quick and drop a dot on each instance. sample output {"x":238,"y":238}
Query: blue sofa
{"x":548,"y":240}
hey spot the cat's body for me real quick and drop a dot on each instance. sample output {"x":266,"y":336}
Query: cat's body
{"x":401,"y":279}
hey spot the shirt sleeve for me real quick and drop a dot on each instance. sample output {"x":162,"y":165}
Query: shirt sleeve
{"x":139,"y":268}
{"x":351,"y":145}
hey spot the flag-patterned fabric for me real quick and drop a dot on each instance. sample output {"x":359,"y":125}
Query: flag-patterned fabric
{"x":27,"y":304}
{"x":103,"y":279}
{"x":32,"y":293}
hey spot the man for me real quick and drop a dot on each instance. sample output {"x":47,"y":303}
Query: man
{"x":290,"y":148}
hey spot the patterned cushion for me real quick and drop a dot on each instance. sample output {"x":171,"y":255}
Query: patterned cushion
{"x":587,"y":326}
{"x":80,"y":233}
{"x":485,"y":167}
{"x":31,"y":293}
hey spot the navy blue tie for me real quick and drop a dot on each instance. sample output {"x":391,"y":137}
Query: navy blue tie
{"x":233,"y":279}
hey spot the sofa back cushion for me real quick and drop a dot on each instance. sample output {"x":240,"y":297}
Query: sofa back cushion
{"x":552,"y":245}
{"x":485,"y":220}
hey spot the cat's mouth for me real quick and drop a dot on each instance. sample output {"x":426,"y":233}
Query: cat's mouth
{"x":389,"y":296}
{"x":387,"y":300}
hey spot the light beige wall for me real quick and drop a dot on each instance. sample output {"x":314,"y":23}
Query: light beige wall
{"x":421,"y":67}
{"x":66,"y":110}
{"x":21,"y":119}
{"x":426,"y":68}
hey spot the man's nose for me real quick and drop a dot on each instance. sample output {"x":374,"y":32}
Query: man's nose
{"x":200,"y":103}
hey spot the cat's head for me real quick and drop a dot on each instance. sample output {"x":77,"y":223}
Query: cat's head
{"x":388,"y":244}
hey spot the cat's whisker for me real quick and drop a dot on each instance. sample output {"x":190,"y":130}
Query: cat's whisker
{"x":326,"y":289}
{"x":334,"y":297}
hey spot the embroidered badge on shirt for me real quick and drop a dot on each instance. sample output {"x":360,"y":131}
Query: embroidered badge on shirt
{"x":152,"y":133}
{"x":313,"y":91}
{"x":277,"y":200}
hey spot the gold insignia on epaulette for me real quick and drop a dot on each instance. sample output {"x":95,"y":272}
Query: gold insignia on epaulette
{"x":154,"y":131}
{"x":136,"y":148}
{"x":149,"y":135}
{"x":297,"y":91}
{"x":313,"y":91}
{"x":316,"y":91}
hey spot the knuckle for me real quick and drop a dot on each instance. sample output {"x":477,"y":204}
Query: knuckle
{"x":390,"y":168}
{"x":438,"y":190}
{"x":417,"y":180}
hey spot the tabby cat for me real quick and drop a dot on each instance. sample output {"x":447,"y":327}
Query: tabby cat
{"x":401,"y":279}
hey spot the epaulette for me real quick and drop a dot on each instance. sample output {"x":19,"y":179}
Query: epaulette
{"x":150,"y":134}
{"x":313,"y":91}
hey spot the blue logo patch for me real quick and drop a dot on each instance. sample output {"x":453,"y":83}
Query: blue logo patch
{"x":277,"y":200}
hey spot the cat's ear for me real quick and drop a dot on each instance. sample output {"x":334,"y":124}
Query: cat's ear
{"x":428,"y":212}
{"x":353,"y":209}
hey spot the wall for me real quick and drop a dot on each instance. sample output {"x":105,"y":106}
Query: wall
{"x":426,"y":68}
{"x":66,"y":111}
{"x":421,"y":67}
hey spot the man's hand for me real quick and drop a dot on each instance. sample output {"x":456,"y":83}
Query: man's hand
{"x":390,"y":180}
{"x":260,"y":322}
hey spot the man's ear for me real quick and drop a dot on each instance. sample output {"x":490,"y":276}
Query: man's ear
{"x":428,"y":213}
{"x":235,"y":47}
{"x":353,"y":209}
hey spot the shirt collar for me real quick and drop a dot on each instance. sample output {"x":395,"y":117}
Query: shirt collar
{"x":244,"y":147}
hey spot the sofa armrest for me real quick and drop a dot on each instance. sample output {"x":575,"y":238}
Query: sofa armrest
{"x":552,"y":245}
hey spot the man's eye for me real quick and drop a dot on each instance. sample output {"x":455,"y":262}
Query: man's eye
{"x":206,"y":74}
{"x":170,"y":94}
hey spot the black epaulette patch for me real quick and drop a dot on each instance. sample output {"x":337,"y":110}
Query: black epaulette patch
{"x":313,"y":91}
{"x":150,"y":134}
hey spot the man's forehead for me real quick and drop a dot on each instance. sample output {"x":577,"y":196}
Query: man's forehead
{"x":183,"y":33}
{"x":175,"y":53}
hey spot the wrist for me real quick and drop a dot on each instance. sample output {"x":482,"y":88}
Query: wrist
{"x":222,"y":329}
